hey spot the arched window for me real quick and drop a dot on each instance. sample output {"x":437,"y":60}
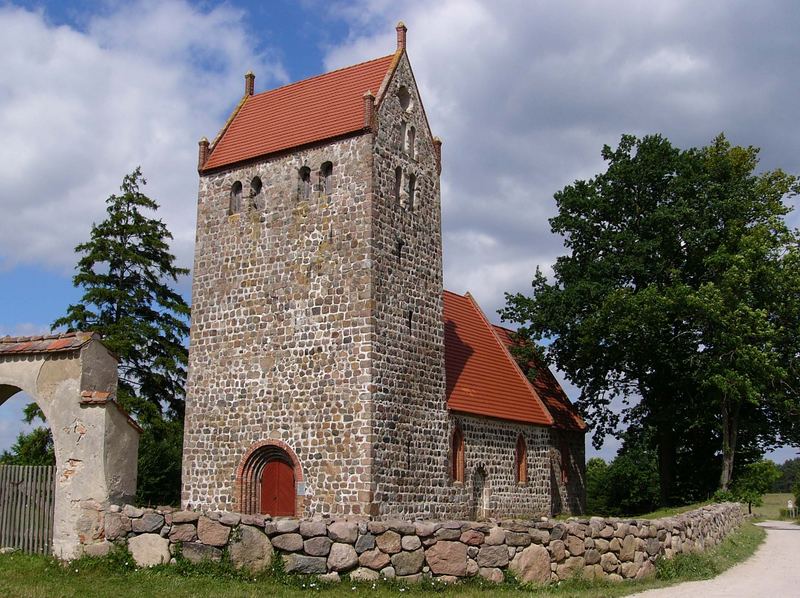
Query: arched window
{"x":521,"y":461}
{"x":412,"y":190}
{"x":326,"y":178}
{"x":402,"y":136}
{"x":304,"y":183}
{"x":404,"y":97}
{"x":398,"y":184}
{"x":457,"y":456}
{"x":235,"y":205}
{"x":255,"y":186}
{"x":412,"y":138}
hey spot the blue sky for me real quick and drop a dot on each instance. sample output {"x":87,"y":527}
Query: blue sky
{"x":523,"y":93}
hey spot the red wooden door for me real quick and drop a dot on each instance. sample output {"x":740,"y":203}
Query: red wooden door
{"x":277,"y":489}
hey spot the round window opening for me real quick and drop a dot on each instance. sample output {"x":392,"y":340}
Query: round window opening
{"x":404,"y":97}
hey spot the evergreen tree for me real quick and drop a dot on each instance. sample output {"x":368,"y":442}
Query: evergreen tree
{"x":125,"y":271}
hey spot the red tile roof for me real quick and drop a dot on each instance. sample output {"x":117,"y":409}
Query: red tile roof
{"x":481,"y":376}
{"x":564,"y":414}
{"x":51,"y":343}
{"x":322,"y":107}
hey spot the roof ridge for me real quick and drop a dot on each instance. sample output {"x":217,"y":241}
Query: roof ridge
{"x":311,"y":78}
{"x":40,"y":337}
{"x":510,"y":357}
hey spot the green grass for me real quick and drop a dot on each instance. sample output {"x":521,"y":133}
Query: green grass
{"x":773,"y":503}
{"x":31,"y":576}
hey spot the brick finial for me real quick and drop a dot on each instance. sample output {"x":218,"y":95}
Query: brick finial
{"x":369,"y":109}
{"x":249,"y":83}
{"x":437,"y":148}
{"x":202,"y":154}
{"x":401,"y":35}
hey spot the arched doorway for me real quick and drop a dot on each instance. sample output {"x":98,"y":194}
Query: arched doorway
{"x":278,"y":488}
{"x":269,"y":480}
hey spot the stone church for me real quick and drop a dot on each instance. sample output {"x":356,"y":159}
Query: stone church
{"x":329,"y":372}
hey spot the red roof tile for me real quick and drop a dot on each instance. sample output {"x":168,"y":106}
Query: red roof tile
{"x":323,"y":107}
{"x":481,"y":376}
{"x":50,"y":343}
{"x":564,"y":414}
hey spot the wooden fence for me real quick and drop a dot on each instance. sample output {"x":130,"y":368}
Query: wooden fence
{"x":26,"y":507}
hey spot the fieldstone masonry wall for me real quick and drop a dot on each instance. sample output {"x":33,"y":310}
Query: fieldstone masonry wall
{"x":534,"y":551}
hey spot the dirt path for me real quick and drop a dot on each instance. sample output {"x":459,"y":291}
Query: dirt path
{"x":773,"y":571}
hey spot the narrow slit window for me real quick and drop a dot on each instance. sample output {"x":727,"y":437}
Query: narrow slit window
{"x":402,"y":136}
{"x":398,"y":249}
{"x":304,"y":183}
{"x":398,"y":183}
{"x":412,"y":190}
{"x":235,"y":205}
{"x":326,"y":178}
{"x":457,"y":456}
{"x":521,"y":461}
{"x":412,"y":139}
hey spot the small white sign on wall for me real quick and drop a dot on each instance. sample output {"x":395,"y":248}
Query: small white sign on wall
{"x":300,"y":488}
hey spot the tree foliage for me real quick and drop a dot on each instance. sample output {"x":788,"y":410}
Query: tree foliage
{"x":33,"y":448}
{"x":126,"y":271}
{"x":755,"y":480}
{"x":790,"y":475}
{"x":680,"y":295}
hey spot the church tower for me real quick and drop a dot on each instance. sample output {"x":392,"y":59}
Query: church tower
{"x":316,"y":366}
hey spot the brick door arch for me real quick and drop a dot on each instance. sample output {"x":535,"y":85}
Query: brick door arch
{"x":267,"y":480}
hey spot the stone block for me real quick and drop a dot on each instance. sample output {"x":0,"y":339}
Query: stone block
{"x":317,"y":546}
{"x":194,"y":552}
{"x":116,"y":525}
{"x":309,"y":529}
{"x":389,"y":542}
{"x":147,"y":523}
{"x":447,"y":558}
{"x":374,"y":559}
{"x":493,"y":556}
{"x":212,"y":533}
{"x":148,"y":550}
{"x":183,"y":532}
{"x":342,"y":557}
{"x":365,"y":542}
{"x":410,"y":543}
{"x":343,"y":531}
{"x":298,"y":563}
{"x":532,"y":565}
{"x":408,"y":563}
{"x":288,"y":542}
{"x":252,"y":550}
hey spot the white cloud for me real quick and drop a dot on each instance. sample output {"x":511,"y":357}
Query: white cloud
{"x":80,"y":109}
{"x":525,"y":95}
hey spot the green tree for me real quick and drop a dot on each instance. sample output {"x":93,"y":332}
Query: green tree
{"x":790,"y":475}
{"x":35,"y":447}
{"x":679,"y":294}
{"x":596,"y":486}
{"x":755,"y":480}
{"x":126,"y":271}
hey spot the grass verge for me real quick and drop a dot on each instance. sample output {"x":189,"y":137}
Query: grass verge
{"x":31,"y":576}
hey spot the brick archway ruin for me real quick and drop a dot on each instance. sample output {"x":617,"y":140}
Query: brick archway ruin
{"x":73,"y":379}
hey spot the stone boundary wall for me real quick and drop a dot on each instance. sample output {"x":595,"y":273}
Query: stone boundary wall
{"x":534,"y":551}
